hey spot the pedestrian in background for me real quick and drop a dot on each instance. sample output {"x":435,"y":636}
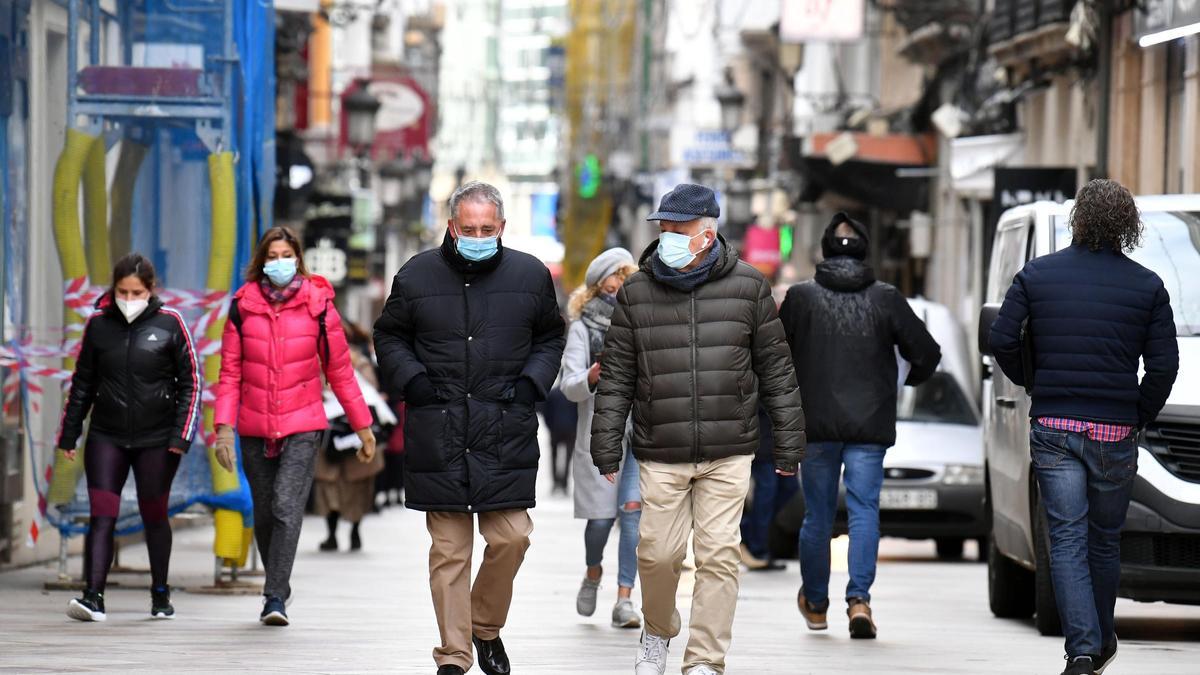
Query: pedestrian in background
{"x":601,"y":502}
{"x":770,"y":494}
{"x":346,"y":489}
{"x":472,"y":335}
{"x":561,"y":420}
{"x":1092,"y":314}
{"x":845,"y":328}
{"x":282,"y":334}
{"x":694,"y":345}
{"x":389,"y":485}
{"x":137,"y":376}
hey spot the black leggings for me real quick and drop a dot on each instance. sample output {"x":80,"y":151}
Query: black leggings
{"x":107,"y":467}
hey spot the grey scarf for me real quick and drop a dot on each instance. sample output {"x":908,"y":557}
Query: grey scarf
{"x":597,"y":317}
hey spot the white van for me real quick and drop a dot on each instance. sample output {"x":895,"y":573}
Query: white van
{"x":1160,"y":545}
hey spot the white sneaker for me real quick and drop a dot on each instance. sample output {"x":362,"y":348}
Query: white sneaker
{"x":652,"y":656}
{"x":702,"y":670}
{"x":624,"y":615}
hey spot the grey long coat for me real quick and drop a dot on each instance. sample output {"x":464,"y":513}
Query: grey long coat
{"x":693,"y":366}
{"x":594,"y":496}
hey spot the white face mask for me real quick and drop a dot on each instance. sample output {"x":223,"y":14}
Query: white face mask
{"x":132,"y":309}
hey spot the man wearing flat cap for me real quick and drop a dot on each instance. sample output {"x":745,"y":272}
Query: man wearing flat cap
{"x":694,"y":347}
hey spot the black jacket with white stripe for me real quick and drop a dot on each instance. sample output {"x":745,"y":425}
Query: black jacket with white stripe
{"x":140,"y":381}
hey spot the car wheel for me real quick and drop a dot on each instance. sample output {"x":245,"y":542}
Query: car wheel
{"x":1010,"y":586}
{"x":1046,"y":618}
{"x":981,"y":544}
{"x":950,"y":548}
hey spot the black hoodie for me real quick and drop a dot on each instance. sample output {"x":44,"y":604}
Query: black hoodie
{"x":842,"y":328}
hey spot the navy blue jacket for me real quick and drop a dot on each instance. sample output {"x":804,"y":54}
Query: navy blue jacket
{"x":1091,"y":315}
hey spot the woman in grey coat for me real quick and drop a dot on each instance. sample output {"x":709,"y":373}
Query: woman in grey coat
{"x":597,"y":500}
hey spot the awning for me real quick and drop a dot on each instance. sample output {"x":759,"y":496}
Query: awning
{"x":306,"y":6}
{"x":873,"y":175}
{"x":973,"y":160}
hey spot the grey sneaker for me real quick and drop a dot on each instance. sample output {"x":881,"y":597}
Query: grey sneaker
{"x":702,"y":669}
{"x":585,"y":602}
{"x":624,"y":615}
{"x":652,"y":656}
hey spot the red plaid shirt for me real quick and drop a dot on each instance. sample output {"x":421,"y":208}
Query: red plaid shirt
{"x":1097,"y":431}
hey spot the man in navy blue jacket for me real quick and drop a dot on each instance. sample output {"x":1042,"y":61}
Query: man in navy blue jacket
{"x":1091,"y":314}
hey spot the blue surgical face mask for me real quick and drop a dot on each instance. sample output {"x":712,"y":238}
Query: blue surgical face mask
{"x":676,"y":249}
{"x":476,"y":249}
{"x":280,"y":271}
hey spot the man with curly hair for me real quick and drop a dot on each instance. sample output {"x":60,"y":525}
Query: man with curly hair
{"x":1090,"y":313}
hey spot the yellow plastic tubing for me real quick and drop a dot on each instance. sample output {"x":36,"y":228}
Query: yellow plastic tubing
{"x":129,"y":163}
{"x":95,"y":215}
{"x":65,"y":218}
{"x":232,"y":538}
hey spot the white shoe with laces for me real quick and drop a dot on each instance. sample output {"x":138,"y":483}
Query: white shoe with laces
{"x":702,"y":670}
{"x":652,"y":656}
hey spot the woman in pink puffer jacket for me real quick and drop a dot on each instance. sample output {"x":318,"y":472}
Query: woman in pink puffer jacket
{"x":273,"y":352}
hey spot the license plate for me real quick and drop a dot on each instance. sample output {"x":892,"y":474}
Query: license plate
{"x":907,"y":499}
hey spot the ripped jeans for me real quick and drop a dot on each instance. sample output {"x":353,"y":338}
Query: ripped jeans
{"x":595,"y":535}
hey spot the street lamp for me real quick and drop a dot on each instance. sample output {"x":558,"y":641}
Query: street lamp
{"x":740,"y":204}
{"x":361,"y":108}
{"x":732,"y":100}
{"x":423,"y":177}
{"x":392,"y":175}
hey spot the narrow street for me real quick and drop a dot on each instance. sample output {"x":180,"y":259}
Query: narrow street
{"x":371,"y":612}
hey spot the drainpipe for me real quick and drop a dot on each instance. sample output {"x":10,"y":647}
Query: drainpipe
{"x":1104,"y":74}
{"x":320,"y":71}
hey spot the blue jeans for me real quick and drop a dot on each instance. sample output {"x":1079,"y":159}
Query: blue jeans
{"x":595,"y":534}
{"x":822,"y":466}
{"x":1085,"y":488}
{"x":771,"y":493}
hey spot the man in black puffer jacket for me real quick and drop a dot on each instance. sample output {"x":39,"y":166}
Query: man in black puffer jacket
{"x":844,"y":328}
{"x":472,"y":339}
{"x":694,"y":345}
{"x":1092,"y":314}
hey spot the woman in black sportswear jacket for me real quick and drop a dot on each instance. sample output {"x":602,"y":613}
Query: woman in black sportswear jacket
{"x":138,"y":375}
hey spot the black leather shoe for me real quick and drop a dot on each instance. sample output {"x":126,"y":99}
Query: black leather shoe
{"x":450,"y":670}
{"x":492,"y":658}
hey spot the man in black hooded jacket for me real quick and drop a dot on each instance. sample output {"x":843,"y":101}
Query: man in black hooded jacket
{"x":844,"y":328}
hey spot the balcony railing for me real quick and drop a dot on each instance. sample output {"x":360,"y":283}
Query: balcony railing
{"x":1022,"y":31}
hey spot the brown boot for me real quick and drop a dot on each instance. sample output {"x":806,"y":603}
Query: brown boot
{"x":751,"y":562}
{"x":814,"y":615}
{"x":862,"y":626}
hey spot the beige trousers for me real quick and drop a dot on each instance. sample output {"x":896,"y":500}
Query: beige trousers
{"x":481,"y":609}
{"x":705,"y":500}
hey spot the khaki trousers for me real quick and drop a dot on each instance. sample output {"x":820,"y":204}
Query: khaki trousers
{"x":706,"y":500}
{"x":481,"y":609}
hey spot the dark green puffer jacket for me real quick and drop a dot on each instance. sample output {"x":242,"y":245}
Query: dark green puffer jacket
{"x":693,"y":367}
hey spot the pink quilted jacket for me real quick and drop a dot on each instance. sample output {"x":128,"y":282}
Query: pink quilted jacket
{"x":270,"y":383}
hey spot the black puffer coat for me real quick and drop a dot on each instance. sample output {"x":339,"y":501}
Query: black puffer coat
{"x":844,"y":328}
{"x":694,"y":366}
{"x":474,"y":328}
{"x":139,"y":380}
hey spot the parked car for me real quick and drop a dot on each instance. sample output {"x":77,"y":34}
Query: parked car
{"x":933,"y":475}
{"x":1160,"y":546}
